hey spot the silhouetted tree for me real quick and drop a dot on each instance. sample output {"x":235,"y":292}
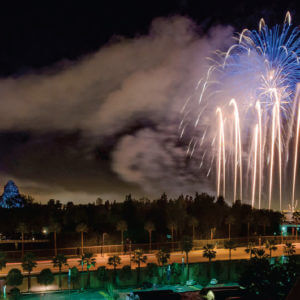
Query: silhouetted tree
{"x":89,"y":260}
{"x":58,"y":262}
{"x":172,"y":226}
{"x":289,"y":249}
{"x":193,"y":222}
{"x":250,"y":249}
{"x":271,"y":246}
{"x":249,"y":220}
{"x":3,"y":260}
{"x":122,"y":226}
{"x":186,"y":247}
{"x":151,"y":270}
{"x":162,"y":256}
{"x":45,"y":277}
{"x":126,"y":272}
{"x":138,"y":258}
{"x":22,"y":228}
{"x":55,"y":228}
{"x":230,"y":245}
{"x":229,"y":221}
{"x":74,"y":278}
{"x":28,"y":264}
{"x":81,"y":228}
{"x":296,"y":217}
{"x":209,"y":253}
{"x":114,"y":261}
{"x":149,"y":227}
{"x":14,"y":277}
{"x":264,"y":280}
{"x":102,"y":274}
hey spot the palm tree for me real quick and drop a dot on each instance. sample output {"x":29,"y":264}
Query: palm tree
{"x":271,"y":245}
{"x":81,"y":228}
{"x":209,"y":253}
{"x":122,"y":226}
{"x":229,"y":221}
{"x":289,"y":249}
{"x":28,"y":263}
{"x":3,"y":260}
{"x":114,"y":261}
{"x":193,"y":222}
{"x":89,"y":260}
{"x":22,"y":228}
{"x":173,"y":227}
{"x":249,"y":221}
{"x":138,"y":258}
{"x":260,"y":254}
{"x":163,"y":256}
{"x":58,"y":261}
{"x":187,"y":246}
{"x":250,"y":249}
{"x":296,"y":216}
{"x":55,"y":228}
{"x":149,"y":226}
{"x":264,"y":221}
{"x":230,"y":245}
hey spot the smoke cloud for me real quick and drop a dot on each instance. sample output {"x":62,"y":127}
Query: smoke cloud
{"x":127,"y":95}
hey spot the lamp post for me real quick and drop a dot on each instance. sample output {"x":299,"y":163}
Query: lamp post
{"x":130,"y":252}
{"x":102,"y":249}
{"x":212,"y":231}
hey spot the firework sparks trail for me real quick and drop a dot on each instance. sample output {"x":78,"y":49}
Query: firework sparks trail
{"x":272,"y":154}
{"x":257,"y":106}
{"x":260,"y":73}
{"x":238,"y":151}
{"x":254,"y":166}
{"x":221,"y":155}
{"x":296,"y":157}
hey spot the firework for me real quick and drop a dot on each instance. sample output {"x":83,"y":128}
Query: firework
{"x":258,"y":78}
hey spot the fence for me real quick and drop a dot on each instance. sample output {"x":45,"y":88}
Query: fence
{"x":128,"y":248}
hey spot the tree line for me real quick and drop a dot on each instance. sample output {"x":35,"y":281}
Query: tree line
{"x":200,"y":216}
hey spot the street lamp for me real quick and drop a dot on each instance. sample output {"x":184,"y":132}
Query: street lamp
{"x":102,"y":248}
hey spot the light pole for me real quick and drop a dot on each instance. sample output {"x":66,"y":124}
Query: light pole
{"x":212,"y":231}
{"x":102,"y":248}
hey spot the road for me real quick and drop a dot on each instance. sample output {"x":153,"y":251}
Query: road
{"x":194,"y":257}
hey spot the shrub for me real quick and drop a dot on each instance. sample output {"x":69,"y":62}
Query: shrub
{"x":46,"y":277}
{"x":75,"y":275}
{"x":14,"y":277}
{"x":152,"y":270}
{"x":176,"y":271}
{"x":102,"y":274}
{"x":126,"y":272}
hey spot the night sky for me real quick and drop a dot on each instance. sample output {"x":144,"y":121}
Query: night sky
{"x":90,"y":93}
